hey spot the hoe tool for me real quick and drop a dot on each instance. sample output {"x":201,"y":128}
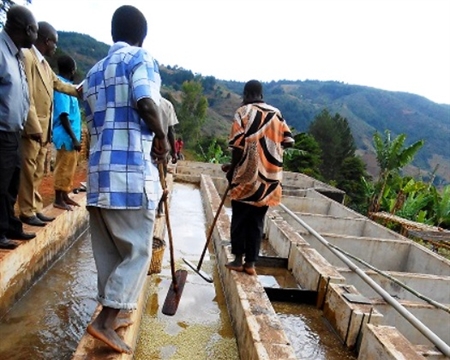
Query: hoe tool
{"x":197,"y":269}
{"x":178,"y":277}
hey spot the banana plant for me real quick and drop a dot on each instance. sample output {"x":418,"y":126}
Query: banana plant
{"x":414,"y":206}
{"x":392,"y":156}
{"x":441,"y":206}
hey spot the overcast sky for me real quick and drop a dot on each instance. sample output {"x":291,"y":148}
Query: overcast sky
{"x":398,"y":45}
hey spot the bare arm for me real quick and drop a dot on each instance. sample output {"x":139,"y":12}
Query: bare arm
{"x":64,"y":117}
{"x":171,"y":138}
{"x":236,"y":156}
{"x":149,"y":113}
{"x":62,"y":86}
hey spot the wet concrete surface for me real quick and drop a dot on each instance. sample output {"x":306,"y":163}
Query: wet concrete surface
{"x":276,"y":278}
{"x":51,"y":317}
{"x":48,"y":322}
{"x":201,"y":327}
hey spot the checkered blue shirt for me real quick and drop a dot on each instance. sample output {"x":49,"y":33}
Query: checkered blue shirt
{"x":121,"y":172}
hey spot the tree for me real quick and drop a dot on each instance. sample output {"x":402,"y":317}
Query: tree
{"x":335,"y":139}
{"x":340,"y":166}
{"x":307,"y":160}
{"x":4,"y":7}
{"x":392,"y":156}
{"x":353,"y":170}
{"x":192,"y":112}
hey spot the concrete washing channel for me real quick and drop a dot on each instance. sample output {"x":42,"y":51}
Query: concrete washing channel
{"x":304,"y":271}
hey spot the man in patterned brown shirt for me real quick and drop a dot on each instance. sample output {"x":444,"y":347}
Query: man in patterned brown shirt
{"x":258,"y":136}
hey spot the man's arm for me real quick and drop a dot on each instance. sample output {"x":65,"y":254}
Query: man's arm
{"x":149,"y":113}
{"x":64,"y":117}
{"x":32,"y":127}
{"x":236,"y":156}
{"x":62,"y":86}
{"x":171,"y":138}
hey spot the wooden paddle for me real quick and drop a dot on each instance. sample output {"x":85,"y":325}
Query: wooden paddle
{"x":204,"y":275}
{"x":178,"y":277}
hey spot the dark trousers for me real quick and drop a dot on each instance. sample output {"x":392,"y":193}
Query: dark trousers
{"x":9,"y":181}
{"x":247,"y":228}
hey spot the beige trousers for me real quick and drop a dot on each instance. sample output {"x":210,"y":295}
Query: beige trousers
{"x":33,"y":160}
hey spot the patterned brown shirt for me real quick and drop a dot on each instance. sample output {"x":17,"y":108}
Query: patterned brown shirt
{"x":259,"y":130}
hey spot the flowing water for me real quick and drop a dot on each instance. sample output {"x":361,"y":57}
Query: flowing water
{"x":49,"y":320}
{"x":309,"y":333}
{"x":201,"y":327}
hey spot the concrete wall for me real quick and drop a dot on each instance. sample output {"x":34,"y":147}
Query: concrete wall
{"x":20,"y":267}
{"x":291,"y":180}
{"x":388,"y":255}
{"x":296,"y":180}
{"x":328,"y":224}
{"x":258,"y":331}
{"x":384,"y":254}
{"x":423,"y":260}
{"x":348,"y":319}
{"x":304,"y":203}
{"x":194,"y":168}
{"x":386,"y":343}
{"x":281,"y":236}
{"x":432,"y":286}
{"x":438,"y":321}
{"x":313,"y":269}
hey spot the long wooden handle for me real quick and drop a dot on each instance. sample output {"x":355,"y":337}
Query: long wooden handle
{"x":169,"y":229}
{"x":211,"y":229}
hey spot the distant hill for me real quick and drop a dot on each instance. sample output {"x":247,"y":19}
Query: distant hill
{"x":84,"y":49}
{"x":367,"y":109}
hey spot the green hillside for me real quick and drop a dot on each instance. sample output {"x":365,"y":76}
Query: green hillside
{"x":366,"y":109}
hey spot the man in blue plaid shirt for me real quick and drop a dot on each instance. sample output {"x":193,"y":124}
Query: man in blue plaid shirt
{"x":122,"y":95}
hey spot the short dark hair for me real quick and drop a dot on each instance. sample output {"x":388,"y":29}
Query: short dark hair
{"x":46,"y":31}
{"x":66,"y":64}
{"x":253,"y":88}
{"x":19,"y":17}
{"x":128,"y":24}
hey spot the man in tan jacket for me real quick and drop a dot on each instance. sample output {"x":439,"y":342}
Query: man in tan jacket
{"x":36,"y":136}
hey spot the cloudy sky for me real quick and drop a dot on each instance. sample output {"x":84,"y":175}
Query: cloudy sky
{"x":397,"y":45}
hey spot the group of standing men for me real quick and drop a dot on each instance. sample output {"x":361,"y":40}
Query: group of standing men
{"x":128,"y":138}
{"x":27,"y":85}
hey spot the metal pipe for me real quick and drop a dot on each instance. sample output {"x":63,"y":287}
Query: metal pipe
{"x":395,"y":280}
{"x":438,"y":342}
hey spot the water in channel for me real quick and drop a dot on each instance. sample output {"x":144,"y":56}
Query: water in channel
{"x":50,"y":319}
{"x":201,"y":327}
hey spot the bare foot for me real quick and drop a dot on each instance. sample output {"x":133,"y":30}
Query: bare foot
{"x":122,"y":322}
{"x":69,"y":201}
{"x":235,"y":266}
{"x":109,"y":337}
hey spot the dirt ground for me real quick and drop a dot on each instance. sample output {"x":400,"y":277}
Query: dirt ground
{"x":48,"y":192}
